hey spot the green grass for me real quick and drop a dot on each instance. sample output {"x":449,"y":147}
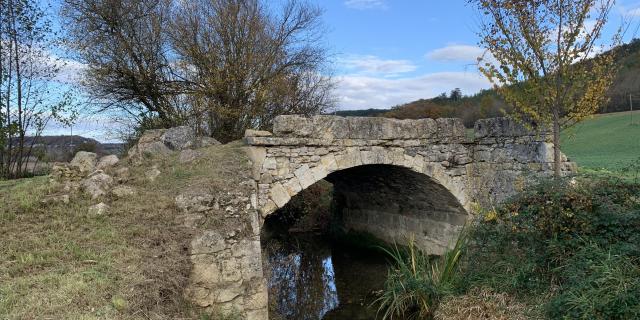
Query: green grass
{"x":607,"y":141}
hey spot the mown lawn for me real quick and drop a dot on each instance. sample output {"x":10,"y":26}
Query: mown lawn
{"x":607,"y":141}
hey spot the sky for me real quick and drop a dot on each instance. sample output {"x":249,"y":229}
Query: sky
{"x":389,"y":52}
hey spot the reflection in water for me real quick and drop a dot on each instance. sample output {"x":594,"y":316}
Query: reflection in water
{"x":311,"y":280}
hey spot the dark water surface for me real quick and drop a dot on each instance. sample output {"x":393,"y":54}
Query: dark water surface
{"x":311,"y":278}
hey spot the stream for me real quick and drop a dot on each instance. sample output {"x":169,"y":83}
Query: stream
{"x":312,"y":278}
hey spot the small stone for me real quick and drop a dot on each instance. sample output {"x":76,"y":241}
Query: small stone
{"x":98,"y":209}
{"x":107,"y":162}
{"x":152,"y":174}
{"x":123,"y":191}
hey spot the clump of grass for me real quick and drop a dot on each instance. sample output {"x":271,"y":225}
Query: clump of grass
{"x":417,"y":282}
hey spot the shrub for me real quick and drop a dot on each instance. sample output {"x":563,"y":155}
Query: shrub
{"x":548,"y":243}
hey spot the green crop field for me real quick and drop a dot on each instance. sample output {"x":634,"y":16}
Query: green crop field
{"x":608,"y":141}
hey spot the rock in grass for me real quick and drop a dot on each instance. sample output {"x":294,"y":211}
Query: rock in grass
{"x":55,"y":199}
{"x":107,"y":162}
{"x":97,"y":184}
{"x":98,"y":209}
{"x":123,"y":191}
{"x":179,"y":138}
{"x":84,"y":161}
{"x":152,"y":174}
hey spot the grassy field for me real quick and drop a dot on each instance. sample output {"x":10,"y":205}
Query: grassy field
{"x":607,"y":141}
{"x":59,"y":262}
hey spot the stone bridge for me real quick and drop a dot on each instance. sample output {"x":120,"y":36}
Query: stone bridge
{"x":395,"y":178}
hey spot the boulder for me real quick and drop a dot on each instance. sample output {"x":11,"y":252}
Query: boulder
{"x":179,"y":138}
{"x":187,"y":156}
{"x":150,"y":143}
{"x":84,"y":161}
{"x":107,"y":162}
{"x":97,"y":184}
{"x":98,"y":209}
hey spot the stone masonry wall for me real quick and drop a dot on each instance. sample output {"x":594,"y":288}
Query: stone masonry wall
{"x":423,"y":176}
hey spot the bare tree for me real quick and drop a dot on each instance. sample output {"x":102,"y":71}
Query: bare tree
{"x":222,"y":65}
{"x":245,"y":64}
{"x":27,"y":68}
{"x":124,"y":45}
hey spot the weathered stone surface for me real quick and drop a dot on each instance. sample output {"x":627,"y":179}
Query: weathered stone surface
{"x":123,"y":191}
{"x":107,"y":162}
{"x":97,"y":184}
{"x":195,"y":201}
{"x":84,"y":161}
{"x":179,"y":138}
{"x":394,"y":179}
{"x":98,"y":209}
{"x":257,"y":133}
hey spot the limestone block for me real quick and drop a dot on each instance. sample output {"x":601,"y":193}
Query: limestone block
{"x":269,"y":164}
{"x":257,"y":133}
{"x":305,"y":176}
{"x":292,"y":125}
{"x":268,"y":208}
{"x":97,"y":184}
{"x":319,"y":173}
{"x":329,"y":162}
{"x":328,"y":128}
{"x":279,"y":195}
{"x":84,"y":161}
{"x":107,"y":162}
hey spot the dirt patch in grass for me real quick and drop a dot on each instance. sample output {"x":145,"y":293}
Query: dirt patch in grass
{"x":485,"y":304}
{"x":58,"y":262}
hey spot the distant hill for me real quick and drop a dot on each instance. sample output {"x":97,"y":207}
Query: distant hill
{"x":62,"y":148}
{"x":487,"y":103}
{"x":361,"y":113}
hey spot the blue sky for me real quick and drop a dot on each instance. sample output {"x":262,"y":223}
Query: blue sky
{"x":389,"y":52}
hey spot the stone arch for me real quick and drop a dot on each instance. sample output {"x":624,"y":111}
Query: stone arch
{"x":280,"y":190}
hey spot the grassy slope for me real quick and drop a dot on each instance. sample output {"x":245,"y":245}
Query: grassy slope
{"x":607,"y":141}
{"x":57,"y":262}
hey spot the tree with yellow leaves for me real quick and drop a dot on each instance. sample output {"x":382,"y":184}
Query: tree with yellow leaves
{"x":543,"y":57}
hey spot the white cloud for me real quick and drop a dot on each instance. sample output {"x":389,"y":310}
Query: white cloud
{"x":362,"y":92}
{"x":70,"y":71}
{"x":372,"y":65}
{"x":456,"y":53}
{"x":365,"y":4}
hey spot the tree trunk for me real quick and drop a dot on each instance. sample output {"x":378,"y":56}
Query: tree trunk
{"x":556,"y":143}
